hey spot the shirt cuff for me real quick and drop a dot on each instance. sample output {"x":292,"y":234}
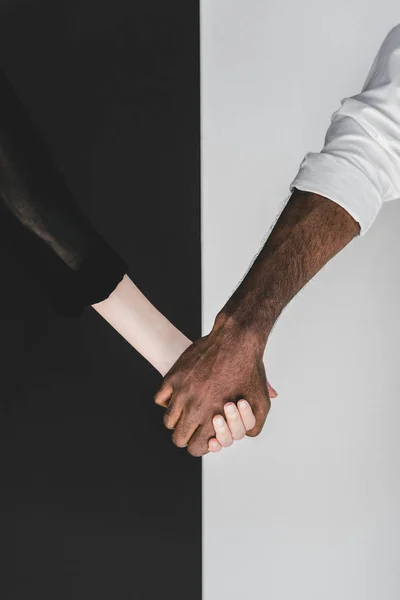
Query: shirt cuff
{"x":342,"y":182}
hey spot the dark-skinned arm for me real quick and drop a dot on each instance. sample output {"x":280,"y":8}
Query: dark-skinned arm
{"x":358,"y":169}
{"x":227,"y":364}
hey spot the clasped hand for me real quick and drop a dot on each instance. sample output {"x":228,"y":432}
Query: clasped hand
{"x":216,"y":392}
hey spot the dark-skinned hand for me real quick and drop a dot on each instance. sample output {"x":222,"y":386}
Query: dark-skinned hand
{"x":223,"y":366}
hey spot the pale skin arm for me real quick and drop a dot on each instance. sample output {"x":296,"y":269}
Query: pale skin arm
{"x":130,"y":313}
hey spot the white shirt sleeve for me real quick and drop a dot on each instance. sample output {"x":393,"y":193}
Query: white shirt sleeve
{"x":359,"y":165}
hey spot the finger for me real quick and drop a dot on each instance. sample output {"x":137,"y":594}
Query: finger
{"x":246,"y":414}
{"x":222,"y":432}
{"x":271,"y":392}
{"x":260,"y":410}
{"x":214,"y":445}
{"x":183,"y":432}
{"x":190,"y":419}
{"x":198,"y":443}
{"x":164,"y":394}
{"x":173,"y":412}
{"x":234,"y":421}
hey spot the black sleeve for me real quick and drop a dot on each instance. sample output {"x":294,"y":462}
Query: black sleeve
{"x":39,"y":221}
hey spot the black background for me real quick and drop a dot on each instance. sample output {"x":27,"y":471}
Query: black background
{"x":95,"y":500}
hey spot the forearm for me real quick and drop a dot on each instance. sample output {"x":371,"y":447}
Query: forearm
{"x":310,"y":231}
{"x":358,"y":167}
{"x":129,"y":312}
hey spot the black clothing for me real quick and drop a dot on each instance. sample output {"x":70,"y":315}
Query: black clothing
{"x":41,"y":224}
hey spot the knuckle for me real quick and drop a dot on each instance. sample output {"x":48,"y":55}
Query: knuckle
{"x":195,"y":450}
{"x":226,"y":443}
{"x":254,"y":432}
{"x":178,"y":440}
{"x":252,"y":423}
{"x":165,"y":387}
{"x":196,"y":408}
{"x":168,"y":421}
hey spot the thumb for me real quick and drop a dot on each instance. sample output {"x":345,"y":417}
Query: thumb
{"x":271,"y":392}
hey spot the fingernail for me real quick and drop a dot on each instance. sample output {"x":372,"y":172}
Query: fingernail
{"x":220,"y":421}
{"x":243,"y":404}
{"x":230,"y":408}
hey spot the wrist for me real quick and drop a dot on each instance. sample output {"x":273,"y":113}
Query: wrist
{"x":247,"y":330}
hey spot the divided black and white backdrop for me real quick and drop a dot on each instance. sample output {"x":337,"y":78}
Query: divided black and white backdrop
{"x":95,"y":501}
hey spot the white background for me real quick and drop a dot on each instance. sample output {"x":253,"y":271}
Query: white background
{"x":311,"y":508}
